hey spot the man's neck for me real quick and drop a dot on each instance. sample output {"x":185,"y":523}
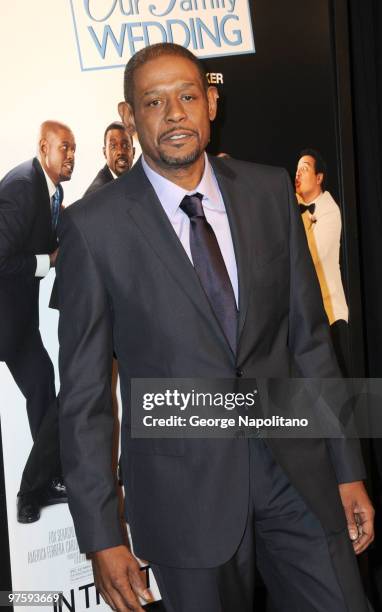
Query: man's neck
{"x":308,"y":198}
{"x":187,"y":177}
{"x":46,"y":171}
{"x":49,"y":183}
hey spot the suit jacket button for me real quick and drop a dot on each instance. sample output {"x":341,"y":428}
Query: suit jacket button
{"x":239,"y":372}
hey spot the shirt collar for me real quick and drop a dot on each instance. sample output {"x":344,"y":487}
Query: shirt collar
{"x":112,"y":173}
{"x":170,"y":195}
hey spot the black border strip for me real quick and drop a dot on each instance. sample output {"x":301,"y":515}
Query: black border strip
{"x":347,"y":185}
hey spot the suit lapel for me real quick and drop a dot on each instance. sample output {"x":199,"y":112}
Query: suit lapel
{"x":106,"y":174}
{"x":236,"y":199}
{"x":148,"y":214}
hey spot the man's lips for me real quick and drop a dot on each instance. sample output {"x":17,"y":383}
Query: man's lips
{"x":122,"y":161}
{"x":69,"y":167}
{"x":177,"y":136}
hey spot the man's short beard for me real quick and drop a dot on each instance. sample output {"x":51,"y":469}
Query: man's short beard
{"x":180,"y":162}
{"x":64,"y":177}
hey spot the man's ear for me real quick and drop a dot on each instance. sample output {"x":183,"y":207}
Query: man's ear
{"x":104,"y":151}
{"x":320,"y":178}
{"x":127,"y":116}
{"x":43,"y":146}
{"x":212,"y":97}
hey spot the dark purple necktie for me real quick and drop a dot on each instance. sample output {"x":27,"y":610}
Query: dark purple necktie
{"x":210,"y":267}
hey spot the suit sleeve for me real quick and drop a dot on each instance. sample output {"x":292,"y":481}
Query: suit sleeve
{"x":86,"y":417}
{"x":16,"y":218}
{"x":309,"y":338}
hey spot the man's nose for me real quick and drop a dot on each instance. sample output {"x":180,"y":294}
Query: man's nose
{"x":175,"y":111}
{"x":70,"y":154}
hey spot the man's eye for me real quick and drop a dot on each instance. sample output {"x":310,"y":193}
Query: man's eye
{"x":154,"y":103}
{"x":187,"y":97}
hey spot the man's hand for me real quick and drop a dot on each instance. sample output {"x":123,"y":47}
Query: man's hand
{"x":52,"y":258}
{"x":359,"y":514}
{"x":119,"y":580}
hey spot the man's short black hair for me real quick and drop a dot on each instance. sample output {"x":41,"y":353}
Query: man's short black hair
{"x":319,"y":164}
{"x":116,"y":125}
{"x":153,"y":52}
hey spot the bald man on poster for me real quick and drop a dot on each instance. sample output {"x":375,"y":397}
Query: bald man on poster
{"x":190,"y":266}
{"x":30,"y":204}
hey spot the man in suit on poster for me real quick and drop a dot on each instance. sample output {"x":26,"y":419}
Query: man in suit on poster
{"x":190,"y":266}
{"x":119,"y":152}
{"x":30,"y":202}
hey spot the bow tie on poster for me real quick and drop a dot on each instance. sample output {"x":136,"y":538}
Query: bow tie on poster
{"x":305,"y":207}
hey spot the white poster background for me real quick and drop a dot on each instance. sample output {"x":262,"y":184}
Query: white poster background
{"x":42,"y":79}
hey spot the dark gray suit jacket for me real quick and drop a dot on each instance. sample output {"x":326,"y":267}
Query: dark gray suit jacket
{"x":128,"y":284}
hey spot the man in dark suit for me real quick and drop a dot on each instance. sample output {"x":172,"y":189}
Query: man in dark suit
{"x":30,"y":202}
{"x":119,"y":151}
{"x":195,"y":267}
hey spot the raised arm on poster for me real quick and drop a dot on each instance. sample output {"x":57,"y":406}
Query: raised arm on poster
{"x":190,"y":266}
{"x":30,"y":205}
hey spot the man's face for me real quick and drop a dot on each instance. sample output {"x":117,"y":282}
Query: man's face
{"x":57,"y":154}
{"x":307,"y":182}
{"x":119,"y":151}
{"x":172,"y":112}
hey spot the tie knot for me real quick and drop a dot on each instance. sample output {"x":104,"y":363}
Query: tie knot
{"x":56,"y":195}
{"x":192,"y":205}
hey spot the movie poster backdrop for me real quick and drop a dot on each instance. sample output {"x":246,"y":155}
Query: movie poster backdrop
{"x":273,"y":65}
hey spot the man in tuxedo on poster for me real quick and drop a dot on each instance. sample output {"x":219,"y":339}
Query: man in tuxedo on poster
{"x":130,"y":273}
{"x":321,"y":217}
{"x":30,"y":204}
